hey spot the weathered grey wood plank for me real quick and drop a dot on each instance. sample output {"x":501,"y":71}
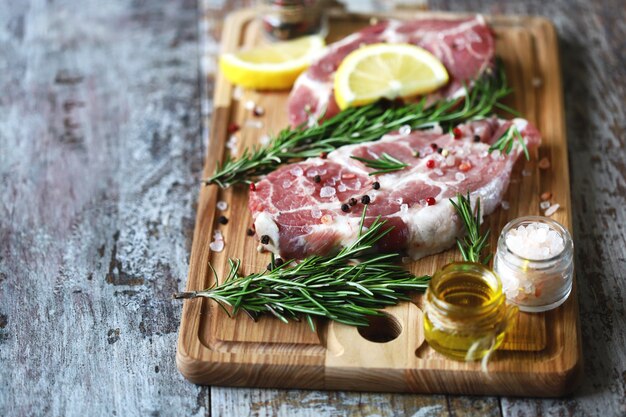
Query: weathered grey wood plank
{"x":100,"y":158}
{"x":100,"y":153}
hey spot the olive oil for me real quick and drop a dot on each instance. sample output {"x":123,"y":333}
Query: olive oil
{"x":465,"y":313}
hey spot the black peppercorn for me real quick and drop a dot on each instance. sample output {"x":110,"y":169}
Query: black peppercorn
{"x":278,"y":262}
{"x":352,"y":201}
{"x":365,"y":199}
{"x":439,"y":150}
{"x":476,"y":138}
{"x":250,"y":232}
{"x":345,"y":208}
{"x":222,"y":220}
{"x":265,"y":239}
{"x":376,"y":185}
{"x":317,"y":179}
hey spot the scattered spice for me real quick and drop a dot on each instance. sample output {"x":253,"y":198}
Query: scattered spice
{"x":445,"y":152}
{"x":265,"y":239}
{"x":278,"y":262}
{"x":345,"y":208}
{"x":430,"y":163}
{"x":416,"y":154}
{"x":546,"y":196}
{"x":431,"y":201}
{"x":458,"y":133}
{"x":258,"y":111}
{"x":544,"y":163}
{"x":232,"y":127}
{"x":252,"y":187}
{"x":365,"y":199}
{"x":465,"y":166}
{"x":439,"y":150}
{"x":317,"y":179}
{"x":476,"y":138}
{"x":222,"y":220}
{"x":376,"y":185}
{"x":434,"y":146}
{"x":250,"y":232}
{"x":352,"y":201}
{"x":323,"y":155}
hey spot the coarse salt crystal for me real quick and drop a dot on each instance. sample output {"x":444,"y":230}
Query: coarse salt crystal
{"x":405,"y":130}
{"x":264,"y":139}
{"x":217,"y":246}
{"x":451,"y":160}
{"x":536,"y":241}
{"x":404,"y":208}
{"x":552,"y":209}
{"x":399,"y":200}
{"x":526,"y":173}
{"x":459,"y":176}
{"x":327,"y":192}
{"x":326,"y":219}
{"x":316,"y":213}
{"x":438,"y":172}
{"x":505,"y":205}
{"x":257,"y":124}
{"x":222,"y":205}
{"x":495,"y":155}
{"x":250,"y":105}
{"x":296,"y":171}
{"x":342,"y":187}
{"x":286,"y":184}
{"x":544,"y":205}
{"x":312,"y":172}
{"x":237,"y":93}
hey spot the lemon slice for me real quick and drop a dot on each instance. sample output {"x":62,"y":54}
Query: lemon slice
{"x":386,"y":70}
{"x":271,"y":67}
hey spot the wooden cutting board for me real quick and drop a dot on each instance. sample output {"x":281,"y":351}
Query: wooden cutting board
{"x":541,"y":355}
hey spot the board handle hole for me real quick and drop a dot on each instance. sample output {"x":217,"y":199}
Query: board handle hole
{"x":381,"y":329}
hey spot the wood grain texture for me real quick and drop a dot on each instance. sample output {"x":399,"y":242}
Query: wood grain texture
{"x":60,"y":351}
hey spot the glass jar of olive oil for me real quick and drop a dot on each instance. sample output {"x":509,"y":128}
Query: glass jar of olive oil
{"x":465,"y":313}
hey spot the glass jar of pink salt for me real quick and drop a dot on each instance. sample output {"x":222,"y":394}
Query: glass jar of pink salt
{"x":535,"y":261}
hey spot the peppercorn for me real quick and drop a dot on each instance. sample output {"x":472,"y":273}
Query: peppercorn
{"x":376,"y":185}
{"x":365,"y":199}
{"x":323,"y":155}
{"x":258,"y":111}
{"x":317,"y":179}
{"x":278,"y":262}
{"x":222,"y":220}
{"x":252,"y":187}
{"x":250,"y":232}
{"x":434,"y":146}
{"x":232,"y":128}
{"x":345,"y":208}
{"x":265,"y":239}
{"x":439,"y":150}
{"x":431,"y":201}
{"x":458,"y":133}
{"x":430,"y":163}
{"x":476,"y":138}
{"x":352,"y":201}
{"x":416,"y":154}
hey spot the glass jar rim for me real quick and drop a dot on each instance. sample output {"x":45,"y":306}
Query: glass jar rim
{"x":568,"y":244}
{"x":498,"y":297}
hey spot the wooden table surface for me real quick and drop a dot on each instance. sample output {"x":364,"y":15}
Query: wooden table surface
{"x":100,"y":160}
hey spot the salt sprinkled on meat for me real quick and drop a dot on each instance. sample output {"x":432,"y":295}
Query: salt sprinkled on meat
{"x":312,"y":173}
{"x":419,"y":229}
{"x":439,"y":172}
{"x":450,"y":160}
{"x":296,"y":171}
{"x":327,"y":192}
{"x":405,"y":130}
{"x":287,"y":184}
{"x":342,"y":187}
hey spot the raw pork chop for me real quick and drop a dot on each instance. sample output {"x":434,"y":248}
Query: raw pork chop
{"x":465,"y":46}
{"x":302,"y":216}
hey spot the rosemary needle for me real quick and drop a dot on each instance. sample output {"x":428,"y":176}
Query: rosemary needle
{"x":347,"y":287}
{"x":505,"y":143}
{"x":359,"y":125}
{"x":473,"y":243}
{"x":383,"y":164}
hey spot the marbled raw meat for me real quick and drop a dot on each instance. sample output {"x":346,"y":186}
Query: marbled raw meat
{"x":465,"y":46}
{"x":303,"y":217}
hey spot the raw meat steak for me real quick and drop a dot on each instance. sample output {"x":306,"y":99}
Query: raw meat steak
{"x":465,"y":46}
{"x":302,"y":217}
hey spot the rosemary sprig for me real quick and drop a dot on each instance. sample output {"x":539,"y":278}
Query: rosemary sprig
{"x":383,"y":164}
{"x":358,"y":125}
{"x":336,"y":287}
{"x":474,"y":243}
{"x":505,"y":143}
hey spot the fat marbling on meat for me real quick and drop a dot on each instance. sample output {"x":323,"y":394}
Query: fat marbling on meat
{"x":303,"y":217}
{"x":465,"y":46}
